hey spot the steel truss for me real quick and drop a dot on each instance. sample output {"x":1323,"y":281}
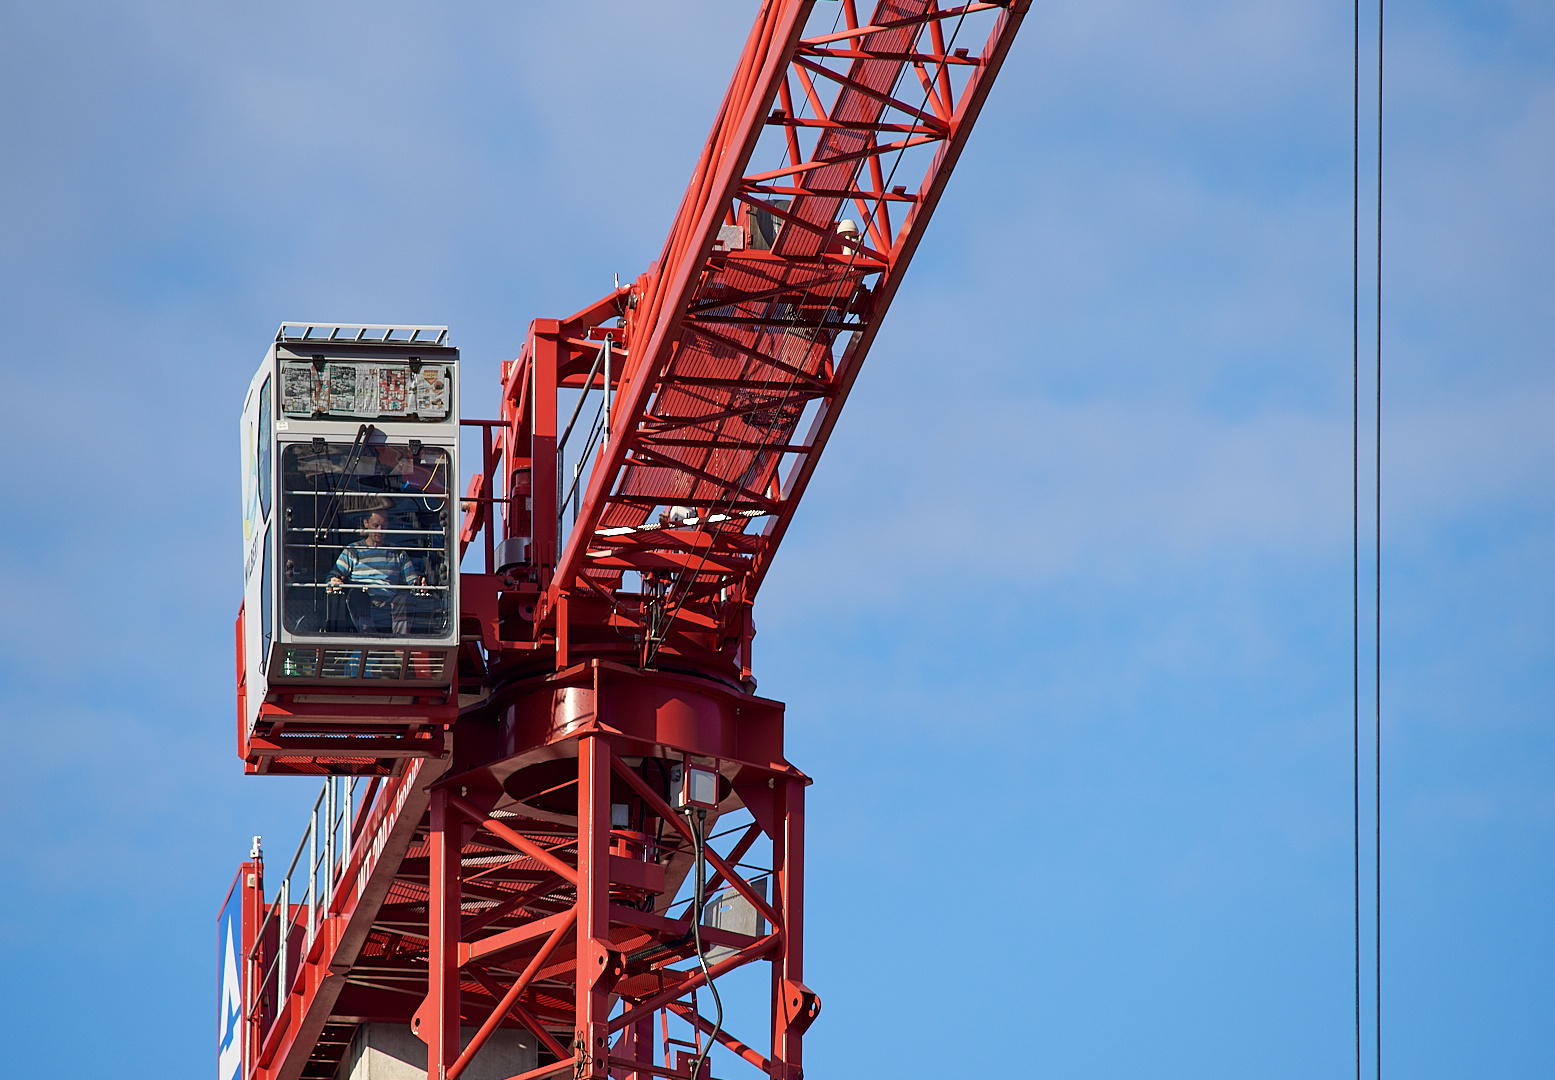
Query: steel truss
{"x":479,"y":882}
{"x":493,"y":890}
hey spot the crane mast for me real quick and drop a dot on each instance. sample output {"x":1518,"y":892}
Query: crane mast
{"x":512,"y":869}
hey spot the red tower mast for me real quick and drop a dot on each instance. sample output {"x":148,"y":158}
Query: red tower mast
{"x":503,"y":883}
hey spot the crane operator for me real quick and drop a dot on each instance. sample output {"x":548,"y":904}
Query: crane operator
{"x":368,"y":563}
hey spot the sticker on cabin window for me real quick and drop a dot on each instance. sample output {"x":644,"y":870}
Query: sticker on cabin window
{"x":431,"y":391}
{"x":392,"y":387}
{"x":299,"y":389}
{"x":342,"y":388}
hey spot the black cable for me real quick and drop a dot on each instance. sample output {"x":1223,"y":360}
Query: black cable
{"x":698,"y":903}
{"x":1355,"y":510}
{"x":1377,"y":546}
{"x":1378,"y":540}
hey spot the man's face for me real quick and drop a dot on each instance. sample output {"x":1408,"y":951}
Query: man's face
{"x":374,"y":526}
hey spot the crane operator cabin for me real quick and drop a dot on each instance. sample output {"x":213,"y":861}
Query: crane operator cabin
{"x":350,"y":454}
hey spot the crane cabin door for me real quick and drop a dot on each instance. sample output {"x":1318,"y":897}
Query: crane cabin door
{"x":350,"y":465}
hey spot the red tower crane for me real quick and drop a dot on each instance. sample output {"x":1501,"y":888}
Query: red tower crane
{"x":512,"y":870}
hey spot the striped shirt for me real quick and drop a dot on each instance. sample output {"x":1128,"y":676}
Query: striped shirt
{"x":363,"y":564}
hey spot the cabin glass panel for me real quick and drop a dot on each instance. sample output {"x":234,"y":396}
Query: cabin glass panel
{"x":266,"y":438}
{"x":266,"y":604}
{"x":367,"y":537}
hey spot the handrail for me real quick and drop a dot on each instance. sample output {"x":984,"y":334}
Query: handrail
{"x":478,"y":502}
{"x":329,"y":840}
{"x":387,"y":337}
{"x":479,"y":499}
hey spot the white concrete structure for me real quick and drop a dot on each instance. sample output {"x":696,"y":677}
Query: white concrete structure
{"x":392,"y":1052}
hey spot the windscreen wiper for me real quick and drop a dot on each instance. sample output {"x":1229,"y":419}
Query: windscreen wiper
{"x":331,"y":511}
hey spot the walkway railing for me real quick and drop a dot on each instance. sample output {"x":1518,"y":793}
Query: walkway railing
{"x":307,"y":889}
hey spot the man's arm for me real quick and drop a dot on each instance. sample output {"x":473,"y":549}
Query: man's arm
{"x":408,"y":571}
{"x":343,"y":567}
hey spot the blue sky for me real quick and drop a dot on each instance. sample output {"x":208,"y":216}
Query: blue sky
{"x":1064,"y":625}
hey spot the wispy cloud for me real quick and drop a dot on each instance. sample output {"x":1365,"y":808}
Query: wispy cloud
{"x":1081,"y":541}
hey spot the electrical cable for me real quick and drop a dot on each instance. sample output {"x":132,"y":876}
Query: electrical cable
{"x":1355,"y":529}
{"x":431,"y":476}
{"x":1355,"y":509}
{"x":698,"y":904}
{"x":1378,"y":552}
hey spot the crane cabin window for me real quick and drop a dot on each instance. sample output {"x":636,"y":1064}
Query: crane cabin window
{"x":396,"y":390}
{"x":266,"y":436}
{"x":368,"y":529}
